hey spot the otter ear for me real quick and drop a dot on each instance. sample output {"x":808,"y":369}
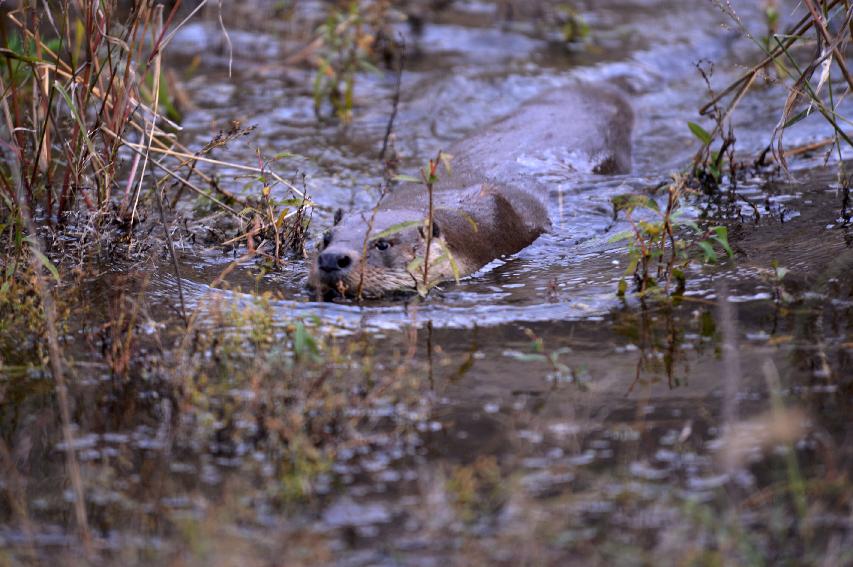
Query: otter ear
{"x":339,"y":214}
{"x":436,"y":232}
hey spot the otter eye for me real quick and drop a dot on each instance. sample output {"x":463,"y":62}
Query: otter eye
{"x":327,"y":238}
{"x":382,"y":244}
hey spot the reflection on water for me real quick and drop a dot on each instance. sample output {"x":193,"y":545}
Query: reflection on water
{"x":527,"y":414}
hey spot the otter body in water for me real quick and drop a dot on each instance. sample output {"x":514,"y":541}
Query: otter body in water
{"x":489,"y":206}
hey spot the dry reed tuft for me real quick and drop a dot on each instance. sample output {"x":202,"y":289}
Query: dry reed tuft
{"x":810,"y":58}
{"x":87,"y":121}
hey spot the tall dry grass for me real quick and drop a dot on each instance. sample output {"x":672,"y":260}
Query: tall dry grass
{"x":811,"y":59}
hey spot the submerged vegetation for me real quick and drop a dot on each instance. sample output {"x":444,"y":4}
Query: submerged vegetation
{"x":168,"y":396}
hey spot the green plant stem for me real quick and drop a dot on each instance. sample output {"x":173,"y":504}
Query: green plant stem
{"x":429,"y":180}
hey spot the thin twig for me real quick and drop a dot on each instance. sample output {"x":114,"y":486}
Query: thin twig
{"x":359,"y":289}
{"x":429,"y":181}
{"x":227,"y":40}
{"x":261,"y":228}
{"x":154,"y":107}
{"x":192,"y":157}
{"x":190,"y":185}
{"x":172,"y":254}
{"x":396,"y":100}
{"x":801,"y":27}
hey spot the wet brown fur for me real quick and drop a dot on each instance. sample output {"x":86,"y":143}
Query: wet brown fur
{"x":489,"y":206}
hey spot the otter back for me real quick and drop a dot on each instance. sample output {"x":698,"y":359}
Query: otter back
{"x":586,"y":128}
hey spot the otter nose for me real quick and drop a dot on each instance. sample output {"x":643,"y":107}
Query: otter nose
{"x":333,"y":261}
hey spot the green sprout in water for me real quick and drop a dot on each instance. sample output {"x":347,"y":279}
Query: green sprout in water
{"x":422,"y":264}
{"x":660,"y":249}
{"x":574,"y":28}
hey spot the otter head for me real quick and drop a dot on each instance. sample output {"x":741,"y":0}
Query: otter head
{"x":387,"y":259}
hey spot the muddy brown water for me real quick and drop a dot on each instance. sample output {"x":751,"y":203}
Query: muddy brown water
{"x":608,"y":432}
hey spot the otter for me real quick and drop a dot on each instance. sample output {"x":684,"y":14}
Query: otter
{"x":488,"y":206}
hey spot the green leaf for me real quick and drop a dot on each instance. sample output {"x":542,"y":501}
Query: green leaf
{"x":796,"y":118}
{"x":45,"y":261}
{"x":304,"y":343}
{"x":395,"y":228}
{"x":772,"y":15}
{"x":84,"y":132}
{"x":167,"y":101}
{"x":715,"y":172}
{"x":629,"y":202}
{"x":445,"y":158}
{"x":700,"y":133}
{"x":368,"y":66}
{"x":710,"y":254}
{"x":54,"y":44}
{"x":445,"y":255}
{"x":13,"y":55}
{"x":722,"y":238}
{"x":415,"y":265}
{"x":470,"y":220}
{"x":619,"y":236}
{"x":453,"y":266}
{"x":526,"y":357}
{"x":407,"y":178}
{"x":692,"y":225}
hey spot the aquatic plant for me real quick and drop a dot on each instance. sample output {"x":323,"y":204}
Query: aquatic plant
{"x":478,"y":489}
{"x":428,"y":178}
{"x":347,"y":43}
{"x":661,"y":248}
{"x":560,"y":372}
{"x":573,"y":26}
{"x":811,"y":90}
